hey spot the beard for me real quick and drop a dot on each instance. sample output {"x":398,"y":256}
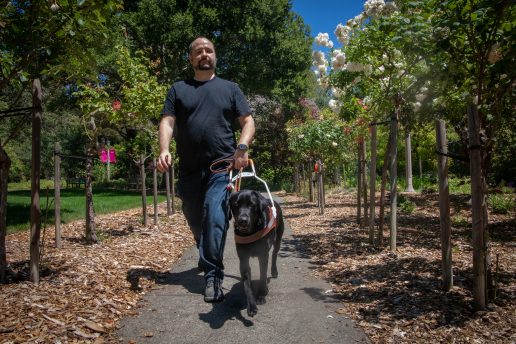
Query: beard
{"x":205,"y":65}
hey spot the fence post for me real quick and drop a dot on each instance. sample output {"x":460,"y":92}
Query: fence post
{"x":35,"y":209}
{"x":57,"y":193}
{"x":444,"y":204}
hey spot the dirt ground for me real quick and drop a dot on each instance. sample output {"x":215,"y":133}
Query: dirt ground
{"x":394,"y":296}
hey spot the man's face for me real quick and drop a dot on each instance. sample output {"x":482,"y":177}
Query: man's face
{"x":202,"y":56}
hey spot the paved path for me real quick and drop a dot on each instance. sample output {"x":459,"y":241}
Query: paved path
{"x":300,"y":308}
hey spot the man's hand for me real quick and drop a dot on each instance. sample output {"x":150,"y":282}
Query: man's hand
{"x":241,"y":159}
{"x":164,"y":161}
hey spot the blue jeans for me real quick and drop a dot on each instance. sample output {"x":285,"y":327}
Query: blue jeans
{"x":205,"y":206}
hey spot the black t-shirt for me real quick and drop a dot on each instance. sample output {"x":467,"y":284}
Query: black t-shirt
{"x":205,"y":112}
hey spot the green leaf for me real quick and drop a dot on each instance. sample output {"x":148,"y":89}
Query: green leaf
{"x":80,"y":2}
{"x":23,"y":77}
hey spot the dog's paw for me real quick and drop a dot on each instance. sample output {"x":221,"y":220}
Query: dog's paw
{"x":252,"y":310}
{"x":260,"y":300}
{"x":274,"y":272}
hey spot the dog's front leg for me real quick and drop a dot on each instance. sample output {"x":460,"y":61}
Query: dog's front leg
{"x":245,"y":273}
{"x":263,"y":289}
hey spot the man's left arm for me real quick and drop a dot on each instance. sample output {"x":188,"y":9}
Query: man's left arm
{"x":241,"y":157}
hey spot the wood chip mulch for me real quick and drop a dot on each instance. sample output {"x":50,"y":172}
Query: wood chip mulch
{"x":85,"y":290}
{"x":396,"y":296}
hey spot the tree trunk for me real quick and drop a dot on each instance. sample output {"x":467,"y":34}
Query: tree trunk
{"x":477,"y":204}
{"x":320,"y":186}
{"x":372,"y":182}
{"x":394,"y":178}
{"x":5,"y":164}
{"x":381,"y":217}
{"x":420,"y":172}
{"x":296,"y":179}
{"x":57,"y":194}
{"x":155,"y":189}
{"x":444,"y":205}
{"x":337,"y":177}
{"x":167,"y":188}
{"x":364,"y":183}
{"x":343,"y":177}
{"x":144,"y":190}
{"x":173,"y":186}
{"x":91,"y":233}
{"x":35,"y":209}
{"x":408,"y":162}
{"x":359,"y":182}
{"x":108,"y":163}
{"x":311,"y":184}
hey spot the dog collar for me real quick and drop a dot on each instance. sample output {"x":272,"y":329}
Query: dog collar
{"x":273,"y":221}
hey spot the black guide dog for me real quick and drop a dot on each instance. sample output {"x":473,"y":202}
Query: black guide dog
{"x":256,"y":231}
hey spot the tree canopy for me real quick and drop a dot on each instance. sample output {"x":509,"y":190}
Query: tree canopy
{"x":263,"y":46}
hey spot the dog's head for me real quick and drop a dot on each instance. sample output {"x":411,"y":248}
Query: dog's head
{"x":249,"y":209}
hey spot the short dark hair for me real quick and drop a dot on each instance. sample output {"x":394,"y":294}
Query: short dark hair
{"x":190,"y":47}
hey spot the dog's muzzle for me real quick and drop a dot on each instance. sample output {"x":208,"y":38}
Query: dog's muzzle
{"x":243,"y":224}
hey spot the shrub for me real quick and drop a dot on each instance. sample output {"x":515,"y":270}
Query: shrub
{"x":406,"y":205}
{"x":500,"y":203}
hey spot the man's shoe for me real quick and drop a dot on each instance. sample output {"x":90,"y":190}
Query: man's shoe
{"x":213,"y":292}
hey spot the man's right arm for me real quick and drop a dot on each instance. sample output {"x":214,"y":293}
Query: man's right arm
{"x":166,"y":129}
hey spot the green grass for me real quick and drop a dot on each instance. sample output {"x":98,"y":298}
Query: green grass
{"x":73,"y":205}
{"x":459,"y":185}
{"x":501,"y":203}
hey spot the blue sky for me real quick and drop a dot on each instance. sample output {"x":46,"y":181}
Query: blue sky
{"x":324,"y":15}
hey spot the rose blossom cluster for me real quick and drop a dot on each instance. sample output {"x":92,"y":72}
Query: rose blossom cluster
{"x":323,"y":39}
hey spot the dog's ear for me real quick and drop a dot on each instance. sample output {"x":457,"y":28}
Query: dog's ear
{"x":263,"y":205}
{"x":232,"y":200}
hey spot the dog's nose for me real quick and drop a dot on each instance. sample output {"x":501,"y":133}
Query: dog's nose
{"x":243,"y":221}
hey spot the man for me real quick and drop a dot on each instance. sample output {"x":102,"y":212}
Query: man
{"x":203,"y":110}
